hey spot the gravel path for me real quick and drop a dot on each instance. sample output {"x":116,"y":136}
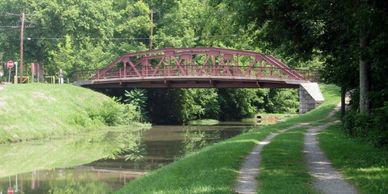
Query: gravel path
{"x":246,"y":182}
{"x":326,"y":178}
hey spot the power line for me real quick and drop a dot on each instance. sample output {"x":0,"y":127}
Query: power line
{"x":107,"y":39}
{"x":12,"y":14}
{"x":10,"y":27}
{"x":120,"y":38}
{"x":17,"y":27}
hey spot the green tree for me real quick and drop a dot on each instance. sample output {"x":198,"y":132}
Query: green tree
{"x":345,"y":33}
{"x":74,"y":35}
{"x":200,"y":104}
{"x":282,"y":101}
{"x":236,"y":104}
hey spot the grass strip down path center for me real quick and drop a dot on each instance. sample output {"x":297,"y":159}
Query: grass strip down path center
{"x":283,"y":169}
{"x":214,"y":169}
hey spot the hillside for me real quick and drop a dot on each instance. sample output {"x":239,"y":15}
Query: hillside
{"x":35,"y":111}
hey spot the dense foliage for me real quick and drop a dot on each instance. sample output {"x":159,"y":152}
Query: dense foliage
{"x":348,"y":36}
{"x":370,"y":127}
{"x":73,"y":35}
{"x":79,"y":36}
{"x":170,"y":106}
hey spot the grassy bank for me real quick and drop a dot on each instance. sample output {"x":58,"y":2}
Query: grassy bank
{"x":364,"y":165}
{"x":33,"y":111}
{"x":214,"y":168}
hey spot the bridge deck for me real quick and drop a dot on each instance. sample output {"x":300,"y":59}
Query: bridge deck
{"x":191,"y":82}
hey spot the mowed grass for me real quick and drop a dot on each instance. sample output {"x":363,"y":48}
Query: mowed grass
{"x":362,"y":164}
{"x":283,"y":168}
{"x":214,"y":169}
{"x":33,"y":111}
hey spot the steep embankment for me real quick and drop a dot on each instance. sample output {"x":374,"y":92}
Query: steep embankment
{"x":34,"y":111}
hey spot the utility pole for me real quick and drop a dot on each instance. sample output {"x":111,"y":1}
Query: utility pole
{"x":22,"y":26}
{"x":152,"y":28}
{"x":21,"y":46}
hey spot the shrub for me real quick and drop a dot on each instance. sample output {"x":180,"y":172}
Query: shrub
{"x":356,"y":124}
{"x":130,"y":114}
{"x":372,"y":128}
{"x":380,"y":126}
{"x":113,"y":113}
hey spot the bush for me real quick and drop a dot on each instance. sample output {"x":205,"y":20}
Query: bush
{"x":372,"y":128}
{"x":356,"y":124}
{"x":131,"y":114}
{"x":112,"y":113}
{"x":380,"y":126}
{"x":84,"y":120}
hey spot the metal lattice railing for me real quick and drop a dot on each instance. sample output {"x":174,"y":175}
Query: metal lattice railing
{"x":198,"y":62}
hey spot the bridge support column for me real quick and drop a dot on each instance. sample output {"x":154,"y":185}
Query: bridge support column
{"x":310,"y":96}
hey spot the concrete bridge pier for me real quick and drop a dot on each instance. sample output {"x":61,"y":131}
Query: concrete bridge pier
{"x":310,"y":96}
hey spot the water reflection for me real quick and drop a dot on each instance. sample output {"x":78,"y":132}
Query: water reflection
{"x":59,"y":154}
{"x":102,"y":162}
{"x":77,"y":180}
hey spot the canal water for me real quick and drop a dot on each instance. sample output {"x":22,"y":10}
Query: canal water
{"x":104,"y":162}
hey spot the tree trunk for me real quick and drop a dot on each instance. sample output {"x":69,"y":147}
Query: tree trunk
{"x":343,"y":105}
{"x":364,"y":81}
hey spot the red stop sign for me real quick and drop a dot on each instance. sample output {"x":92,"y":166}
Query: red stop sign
{"x":10,"y":190}
{"x":10,"y":64}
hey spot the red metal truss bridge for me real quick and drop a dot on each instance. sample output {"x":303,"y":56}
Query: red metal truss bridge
{"x":195,"y":68}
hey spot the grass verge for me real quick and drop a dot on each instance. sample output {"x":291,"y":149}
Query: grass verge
{"x":361,"y":163}
{"x":214,"y":169}
{"x":283,"y":169}
{"x":34,"y":111}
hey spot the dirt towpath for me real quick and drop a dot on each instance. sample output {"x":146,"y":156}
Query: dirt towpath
{"x":326,"y":178}
{"x":246,"y":182}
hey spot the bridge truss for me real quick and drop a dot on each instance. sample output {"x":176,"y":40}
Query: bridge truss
{"x":195,"y":68}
